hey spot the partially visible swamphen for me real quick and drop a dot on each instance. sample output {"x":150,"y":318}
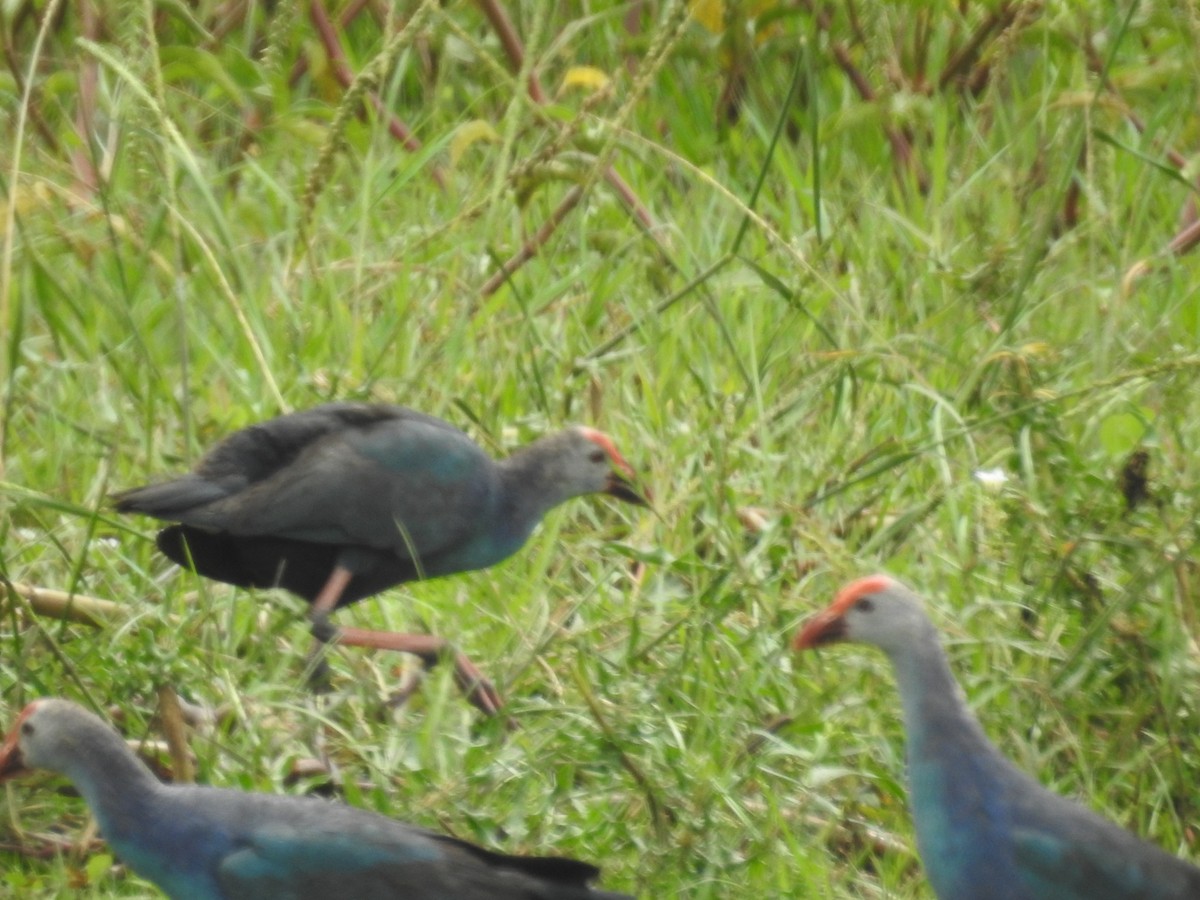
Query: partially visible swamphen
{"x":344,"y":500}
{"x":203,"y":843}
{"x":985,"y":829}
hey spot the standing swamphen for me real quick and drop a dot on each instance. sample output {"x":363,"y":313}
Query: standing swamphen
{"x":203,"y":843}
{"x":342,"y":501}
{"x":985,"y":829}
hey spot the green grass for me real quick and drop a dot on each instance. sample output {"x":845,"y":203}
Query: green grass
{"x":844,"y":366}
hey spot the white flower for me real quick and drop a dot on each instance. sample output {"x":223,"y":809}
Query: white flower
{"x":991,"y":478}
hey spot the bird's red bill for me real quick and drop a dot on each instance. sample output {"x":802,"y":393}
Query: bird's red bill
{"x":622,"y":483}
{"x":11,"y":763}
{"x":823,"y":628}
{"x":828,"y":625}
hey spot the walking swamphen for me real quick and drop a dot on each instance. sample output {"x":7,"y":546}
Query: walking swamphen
{"x":985,"y":829}
{"x":345,"y":500}
{"x":204,"y":843}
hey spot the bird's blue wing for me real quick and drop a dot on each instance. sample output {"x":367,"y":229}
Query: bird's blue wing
{"x":371,"y":862}
{"x":404,"y":482}
{"x":282,"y":862}
{"x":1112,"y":866}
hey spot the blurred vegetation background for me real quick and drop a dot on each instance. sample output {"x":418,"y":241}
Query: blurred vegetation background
{"x":862,"y":286}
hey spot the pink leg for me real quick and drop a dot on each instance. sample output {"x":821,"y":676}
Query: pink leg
{"x":430,"y":648}
{"x":322,"y":629}
{"x":479,"y":690}
{"x":326,"y":601}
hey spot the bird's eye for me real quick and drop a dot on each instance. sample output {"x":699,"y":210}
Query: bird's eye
{"x":597,"y":456}
{"x":864,"y":605}
{"x":27,"y":729}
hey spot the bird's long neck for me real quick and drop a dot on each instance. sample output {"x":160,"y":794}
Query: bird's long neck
{"x":958,"y":782}
{"x":116,"y":784}
{"x":533,"y":483}
{"x":936,"y":716}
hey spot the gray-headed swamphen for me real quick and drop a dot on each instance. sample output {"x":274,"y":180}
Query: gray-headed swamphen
{"x":345,"y":500}
{"x":985,"y":829}
{"x":204,"y":843}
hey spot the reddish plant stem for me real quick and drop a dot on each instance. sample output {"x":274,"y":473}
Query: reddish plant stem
{"x":1096,"y":66}
{"x":1188,"y":235}
{"x":511,"y":42}
{"x":14,"y":66}
{"x":901,"y":147}
{"x":1074,"y":193}
{"x":349,"y":14}
{"x":964,"y":58}
{"x":345,"y":76}
{"x":1186,"y":239}
{"x":531,"y":247}
{"x":87,"y":179}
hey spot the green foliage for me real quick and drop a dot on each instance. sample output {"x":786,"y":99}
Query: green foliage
{"x":810,"y":353}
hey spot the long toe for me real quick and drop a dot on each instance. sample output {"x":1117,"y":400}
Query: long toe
{"x":318,"y":675}
{"x":320,"y":678}
{"x":411,"y":684}
{"x":431,"y":649}
{"x":477,"y":686}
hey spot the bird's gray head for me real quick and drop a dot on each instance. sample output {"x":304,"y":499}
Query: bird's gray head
{"x":48,"y":734}
{"x":586,"y":461}
{"x":875,"y":610}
